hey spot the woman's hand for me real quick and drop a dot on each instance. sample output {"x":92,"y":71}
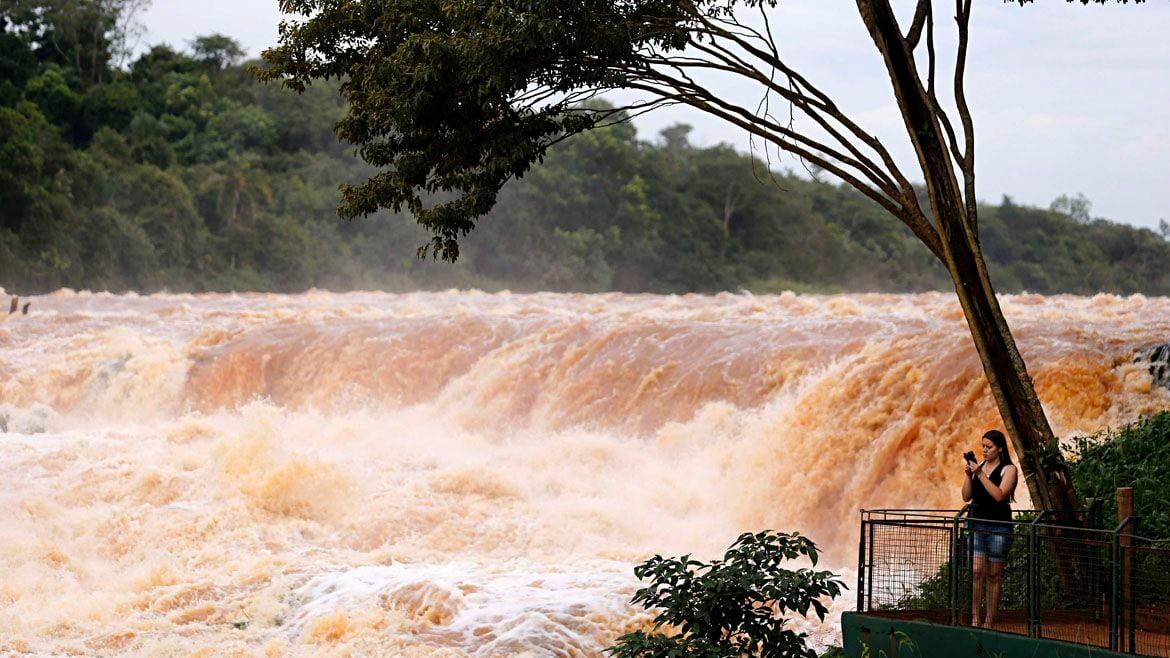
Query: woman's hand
{"x":972,"y":468}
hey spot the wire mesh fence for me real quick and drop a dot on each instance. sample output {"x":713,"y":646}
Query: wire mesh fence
{"x":1146,"y":590}
{"x":906,"y":559}
{"x":1106,"y":588}
{"x":1073,"y":597}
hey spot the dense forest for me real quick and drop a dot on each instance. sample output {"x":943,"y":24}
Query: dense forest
{"x":175,"y":170}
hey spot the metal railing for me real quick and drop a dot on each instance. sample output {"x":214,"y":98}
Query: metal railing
{"x":1062,"y":581}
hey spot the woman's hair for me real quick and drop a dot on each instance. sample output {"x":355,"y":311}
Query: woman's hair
{"x":1000,"y":441}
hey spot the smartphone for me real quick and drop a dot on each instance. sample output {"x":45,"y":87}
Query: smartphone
{"x":970,"y":456}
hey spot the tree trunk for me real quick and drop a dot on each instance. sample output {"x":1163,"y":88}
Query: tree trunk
{"x":1037,"y":450}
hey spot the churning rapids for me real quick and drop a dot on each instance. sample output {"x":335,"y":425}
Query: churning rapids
{"x":476,"y":474}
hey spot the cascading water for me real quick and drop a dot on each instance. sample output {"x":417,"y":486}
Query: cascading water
{"x":464,"y":473}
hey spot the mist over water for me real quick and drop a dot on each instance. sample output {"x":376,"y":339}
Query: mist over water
{"x":465,"y":473}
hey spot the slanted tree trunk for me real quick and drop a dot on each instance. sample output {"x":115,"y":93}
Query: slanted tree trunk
{"x":1044,"y":470}
{"x":1037,"y":450}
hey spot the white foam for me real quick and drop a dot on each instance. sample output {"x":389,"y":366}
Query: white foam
{"x":491,"y":609}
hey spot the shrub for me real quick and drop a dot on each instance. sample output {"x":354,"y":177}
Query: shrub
{"x":1135,"y":455}
{"x":730,"y":607}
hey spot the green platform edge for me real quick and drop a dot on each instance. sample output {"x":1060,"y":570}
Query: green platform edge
{"x":867,"y":636}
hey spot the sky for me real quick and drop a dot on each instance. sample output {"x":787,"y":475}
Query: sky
{"x":1066,"y":98}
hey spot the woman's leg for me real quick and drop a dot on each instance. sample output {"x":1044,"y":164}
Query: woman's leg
{"x":994,"y":584}
{"x":978,"y":573}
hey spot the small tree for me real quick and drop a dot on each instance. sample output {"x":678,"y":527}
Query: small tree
{"x":730,"y":607}
{"x":217,"y":51}
{"x":1075,"y":207}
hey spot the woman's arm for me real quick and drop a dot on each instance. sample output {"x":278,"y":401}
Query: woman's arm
{"x":1007,"y":485}
{"x":967,"y":481}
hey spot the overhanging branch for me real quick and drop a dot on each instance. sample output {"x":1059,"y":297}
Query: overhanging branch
{"x":806,"y":92}
{"x":732,"y":65}
{"x":816,"y":153}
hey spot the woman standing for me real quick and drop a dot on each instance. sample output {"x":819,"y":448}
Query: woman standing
{"x":989,"y":486}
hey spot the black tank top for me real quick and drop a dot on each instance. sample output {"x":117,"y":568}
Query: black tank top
{"x":983,"y":505}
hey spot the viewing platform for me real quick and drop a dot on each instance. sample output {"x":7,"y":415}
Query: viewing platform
{"x":1068,"y":589}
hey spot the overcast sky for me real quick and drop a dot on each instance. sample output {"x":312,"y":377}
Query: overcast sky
{"x":1066,"y":98}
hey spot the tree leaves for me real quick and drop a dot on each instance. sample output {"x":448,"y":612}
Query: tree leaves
{"x":730,"y":607}
{"x":460,"y":97}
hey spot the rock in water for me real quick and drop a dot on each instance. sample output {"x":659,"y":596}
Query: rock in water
{"x":1158,"y":360}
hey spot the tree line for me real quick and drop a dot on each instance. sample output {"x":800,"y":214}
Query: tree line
{"x":176,"y":170}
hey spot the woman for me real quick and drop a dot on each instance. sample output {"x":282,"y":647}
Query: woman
{"x":989,"y":487}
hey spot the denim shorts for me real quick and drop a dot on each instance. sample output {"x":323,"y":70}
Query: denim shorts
{"x":990,"y":539}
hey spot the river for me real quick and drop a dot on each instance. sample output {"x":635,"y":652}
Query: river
{"x":463,"y":473}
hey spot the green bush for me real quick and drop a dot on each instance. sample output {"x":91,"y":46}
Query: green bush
{"x":730,"y":607}
{"x":1135,"y":455}
{"x":81,"y":138}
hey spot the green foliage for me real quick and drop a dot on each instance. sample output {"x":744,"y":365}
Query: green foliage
{"x":439,"y":124}
{"x":163,"y":206}
{"x":452,"y":100}
{"x":236,"y":130}
{"x":89,"y":37}
{"x":217,"y":50}
{"x":17,"y":64}
{"x":179,"y":171}
{"x":108,"y":105}
{"x":730,"y":607}
{"x":147,"y":137}
{"x":156,"y":63}
{"x":1135,"y":455}
{"x":189,"y":98}
{"x":21,"y":158}
{"x":34,"y":194}
{"x":53,"y":95}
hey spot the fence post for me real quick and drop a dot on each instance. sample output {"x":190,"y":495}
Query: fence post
{"x":1125,"y":511}
{"x":960,"y":558}
{"x":861,"y":566}
{"x":1115,"y":577}
{"x":953,"y":580}
{"x":1031,"y":566}
{"x":1133,"y":600}
{"x":1033,"y":578}
{"x":869,"y":581}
